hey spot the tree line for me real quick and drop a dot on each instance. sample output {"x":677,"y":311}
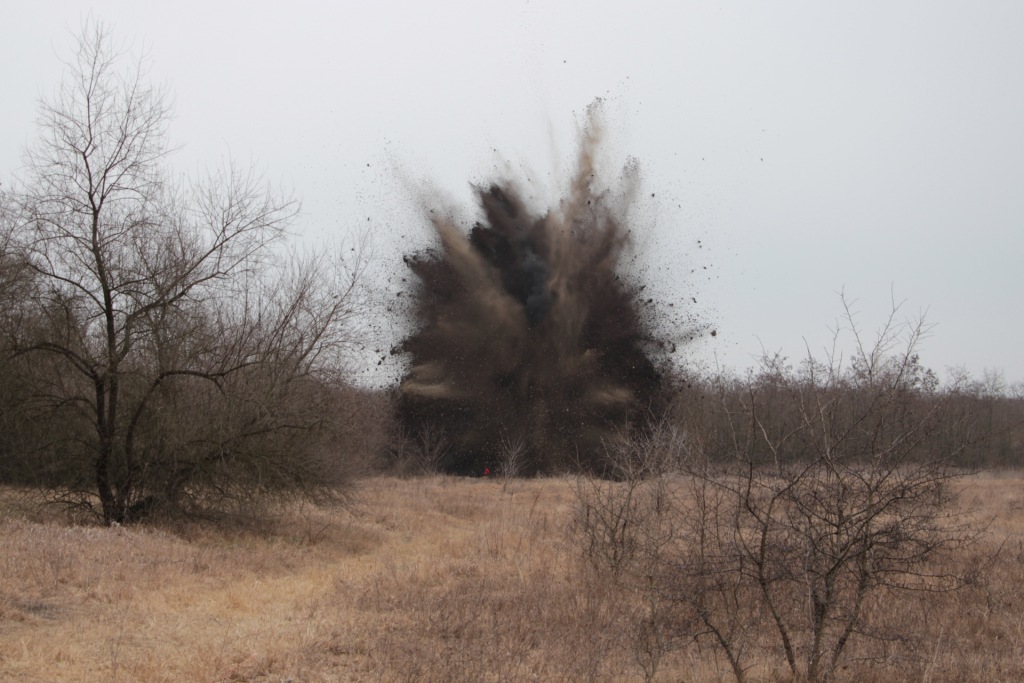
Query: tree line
{"x":164,"y":347}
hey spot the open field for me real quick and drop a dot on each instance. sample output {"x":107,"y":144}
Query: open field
{"x":436,"y":579}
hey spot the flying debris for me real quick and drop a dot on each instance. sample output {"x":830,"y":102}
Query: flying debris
{"x":528,"y":327}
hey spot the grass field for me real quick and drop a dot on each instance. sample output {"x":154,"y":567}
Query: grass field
{"x":435,"y":579}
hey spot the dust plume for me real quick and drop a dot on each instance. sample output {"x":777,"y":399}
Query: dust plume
{"x":528,"y":329}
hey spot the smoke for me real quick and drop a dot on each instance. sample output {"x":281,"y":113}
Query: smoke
{"x":529,"y":328}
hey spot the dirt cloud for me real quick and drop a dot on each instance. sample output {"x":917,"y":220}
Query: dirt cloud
{"x":529,"y":329}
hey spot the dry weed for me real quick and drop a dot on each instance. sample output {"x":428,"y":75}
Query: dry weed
{"x":434,"y":579}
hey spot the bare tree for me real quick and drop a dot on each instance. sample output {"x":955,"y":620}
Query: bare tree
{"x":512,"y":459}
{"x":159,"y":298}
{"x":806,"y":496}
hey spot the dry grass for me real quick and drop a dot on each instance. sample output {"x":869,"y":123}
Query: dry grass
{"x":423,"y":580}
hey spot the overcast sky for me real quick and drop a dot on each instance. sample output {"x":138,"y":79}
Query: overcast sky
{"x":876,"y":147}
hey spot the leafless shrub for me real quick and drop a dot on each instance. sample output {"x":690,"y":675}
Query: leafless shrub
{"x":812,"y":495}
{"x":431,"y":447}
{"x":512,"y":459}
{"x":619,"y":518}
{"x":417,"y":453}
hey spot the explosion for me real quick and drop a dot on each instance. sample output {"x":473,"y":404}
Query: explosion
{"x":529,"y":331}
